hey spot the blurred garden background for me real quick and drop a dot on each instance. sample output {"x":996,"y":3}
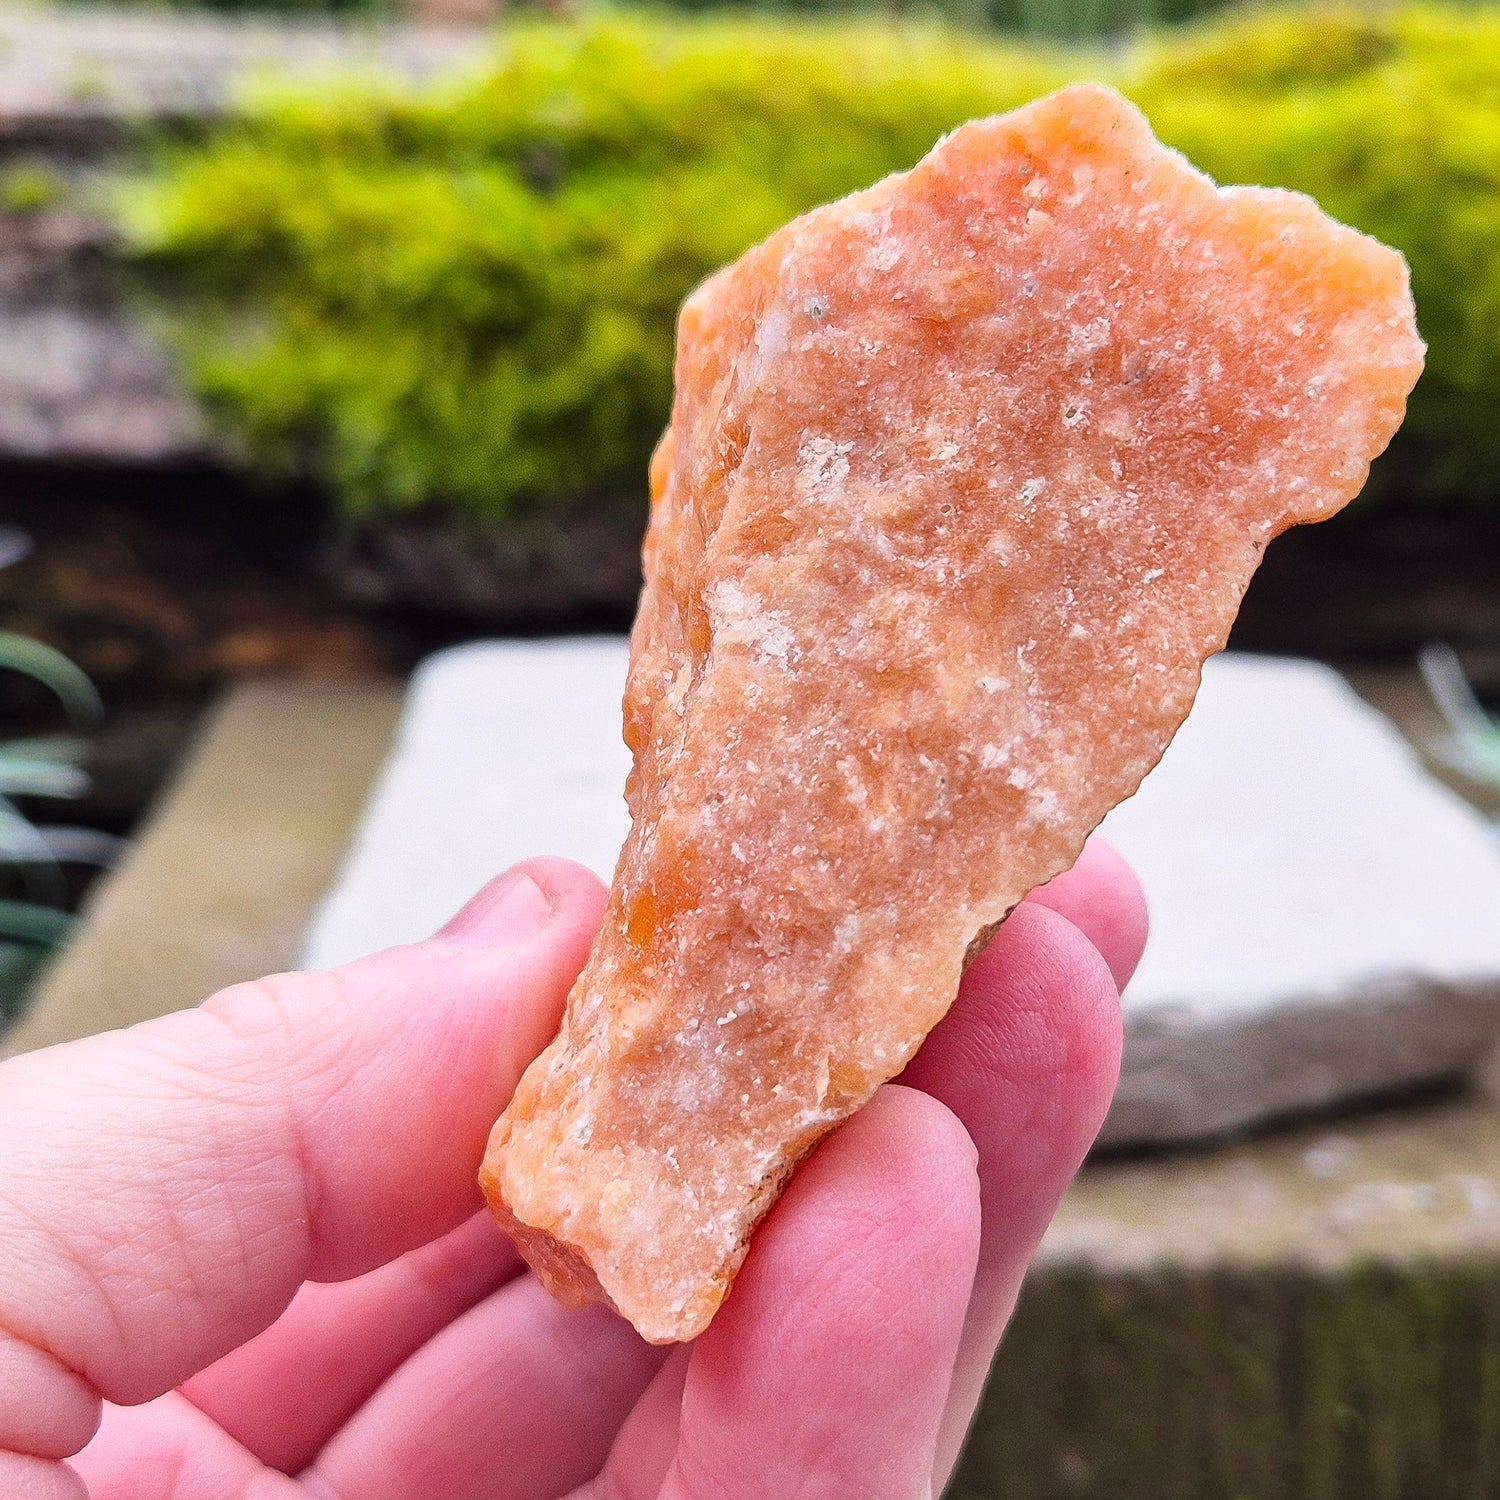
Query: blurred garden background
{"x":327,"y":338}
{"x":334,"y":334}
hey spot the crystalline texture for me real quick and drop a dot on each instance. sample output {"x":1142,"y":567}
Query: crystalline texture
{"x":966,"y":476}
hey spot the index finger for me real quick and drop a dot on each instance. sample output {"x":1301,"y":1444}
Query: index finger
{"x":167,"y":1189}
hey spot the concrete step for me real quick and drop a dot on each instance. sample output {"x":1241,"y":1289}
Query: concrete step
{"x":221,"y":883}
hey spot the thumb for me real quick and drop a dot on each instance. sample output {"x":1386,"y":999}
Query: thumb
{"x":166,"y":1189}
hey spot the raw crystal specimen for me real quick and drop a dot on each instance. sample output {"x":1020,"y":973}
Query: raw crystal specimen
{"x":966,"y":476}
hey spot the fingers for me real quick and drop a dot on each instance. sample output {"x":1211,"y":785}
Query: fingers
{"x":825,"y":1372}
{"x":168,"y":1450}
{"x":59,"y":1428}
{"x":287,"y":1391}
{"x":646,"y":1445}
{"x":24,"y":1478}
{"x":1027,"y":1059}
{"x":547,"y":1387}
{"x":175,"y":1184}
{"x":1101,"y":897}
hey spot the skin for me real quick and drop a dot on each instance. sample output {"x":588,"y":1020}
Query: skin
{"x":243,"y":1259}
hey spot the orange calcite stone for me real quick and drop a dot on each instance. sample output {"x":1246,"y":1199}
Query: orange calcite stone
{"x":966,"y":475}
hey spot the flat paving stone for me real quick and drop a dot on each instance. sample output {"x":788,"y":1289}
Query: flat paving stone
{"x":505,"y":750}
{"x":1326,"y":917}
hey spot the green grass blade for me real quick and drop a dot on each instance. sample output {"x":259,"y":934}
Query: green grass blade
{"x":25,"y":777}
{"x":79,"y":696}
{"x":69,"y":845}
{"x":1473,"y":746}
{"x":61,"y":749}
{"x":24,"y":847}
{"x":26,"y":922}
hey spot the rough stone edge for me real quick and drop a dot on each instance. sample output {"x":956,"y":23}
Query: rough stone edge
{"x":1186,"y":1080}
{"x":1380,"y":1382}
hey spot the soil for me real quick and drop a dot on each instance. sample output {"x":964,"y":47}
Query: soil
{"x":1374,"y":584}
{"x":169,"y":582}
{"x":162,"y":585}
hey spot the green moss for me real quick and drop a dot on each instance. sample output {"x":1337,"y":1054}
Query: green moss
{"x":30,"y":187}
{"x":1372,"y":1383}
{"x":466,"y":294}
{"x":462,"y":294}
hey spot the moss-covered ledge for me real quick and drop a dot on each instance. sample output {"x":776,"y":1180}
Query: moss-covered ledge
{"x":1311,"y":1315}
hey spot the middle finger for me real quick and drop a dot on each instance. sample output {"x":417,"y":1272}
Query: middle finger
{"x":287,"y":1391}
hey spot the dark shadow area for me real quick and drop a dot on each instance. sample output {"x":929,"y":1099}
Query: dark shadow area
{"x":1375,"y":583}
{"x":169,"y":581}
{"x":165,"y":583}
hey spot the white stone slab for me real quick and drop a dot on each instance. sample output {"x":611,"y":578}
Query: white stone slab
{"x":1325,"y":917}
{"x":505,"y":750}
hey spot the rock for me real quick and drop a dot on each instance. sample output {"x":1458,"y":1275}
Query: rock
{"x":82,"y":385}
{"x":506,"y":749}
{"x":578,"y":572}
{"x":966,"y":475}
{"x":882,"y":683}
{"x":82,"y":378}
{"x":85,"y":77}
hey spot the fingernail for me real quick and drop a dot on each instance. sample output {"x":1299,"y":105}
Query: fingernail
{"x":508,"y":910}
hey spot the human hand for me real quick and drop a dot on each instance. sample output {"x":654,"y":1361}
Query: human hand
{"x":250,"y":1228}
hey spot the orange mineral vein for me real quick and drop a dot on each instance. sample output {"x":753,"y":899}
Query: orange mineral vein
{"x":966,"y":475}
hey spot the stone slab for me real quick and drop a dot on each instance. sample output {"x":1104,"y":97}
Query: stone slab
{"x":220,"y":884}
{"x":91,"y":73}
{"x":1309,"y":1315}
{"x":1326,"y":917}
{"x":505,"y":750}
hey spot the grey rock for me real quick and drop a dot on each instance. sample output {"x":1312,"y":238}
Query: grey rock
{"x":1325,"y":915}
{"x":505,"y":750}
{"x":76,"y":383}
{"x":89,"y":76}
{"x":81,"y":379}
